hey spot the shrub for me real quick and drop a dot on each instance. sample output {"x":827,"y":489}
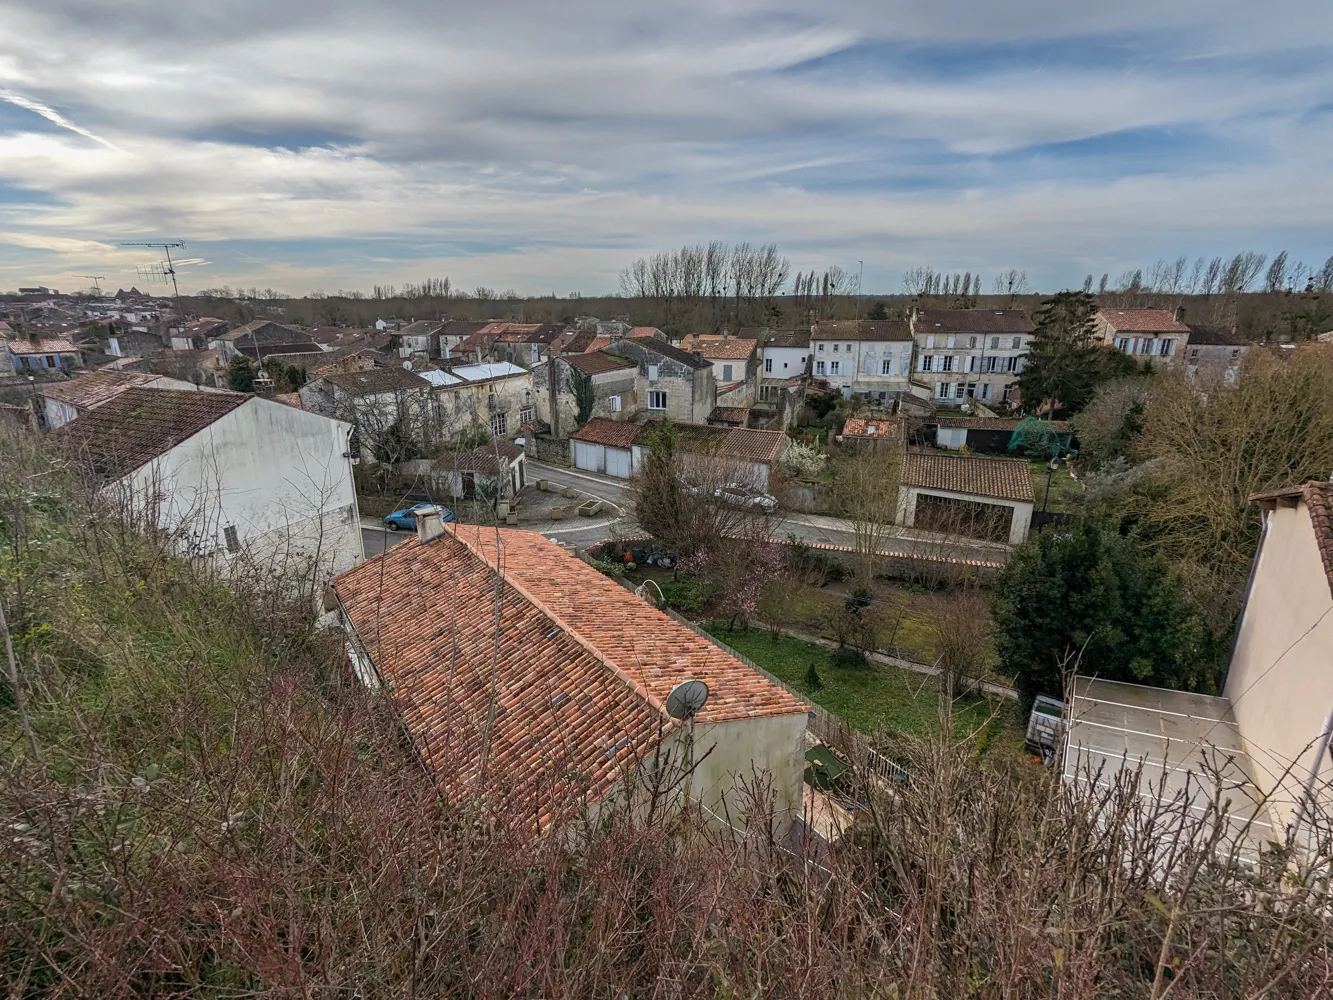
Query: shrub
{"x":847,"y":657}
{"x":686,"y":593}
{"x":859,"y":598}
{"x":612,"y":569}
{"x":812,"y":681}
{"x":805,"y":461}
{"x":814,"y":564}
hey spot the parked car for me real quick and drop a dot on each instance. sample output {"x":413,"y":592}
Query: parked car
{"x":405,"y":518}
{"x":742,"y":496}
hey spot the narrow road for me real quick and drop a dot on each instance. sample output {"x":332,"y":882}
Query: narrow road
{"x":618,"y":522}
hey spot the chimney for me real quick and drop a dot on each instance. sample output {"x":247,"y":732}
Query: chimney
{"x":430,"y":524}
{"x":726,"y":335}
{"x":1180,"y":314}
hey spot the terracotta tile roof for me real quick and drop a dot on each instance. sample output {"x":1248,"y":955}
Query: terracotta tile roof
{"x":711,"y":346}
{"x":891,"y":329}
{"x":862,"y":427}
{"x":602,"y":430}
{"x":83,"y":392}
{"x":730,"y":414}
{"x":598,"y":362}
{"x":575,"y":341}
{"x":1002,"y":478}
{"x":141,"y":424}
{"x":674,"y":353}
{"x":582,"y":666}
{"x":288,"y":398}
{"x":487,"y":458}
{"x":752,"y":445}
{"x":1319,"y":501}
{"x":644,"y":331}
{"x":1142,"y":321}
{"x":50,"y":346}
{"x":1318,"y":498}
{"x":1009,"y":321}
{"x":373,"y":380}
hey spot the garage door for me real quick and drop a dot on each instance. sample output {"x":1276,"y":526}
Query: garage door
{"x":617,"y":462}
{"x":951,"y":516}
{"x":589,"y":457}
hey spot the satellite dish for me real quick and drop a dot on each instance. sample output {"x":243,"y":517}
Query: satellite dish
{"x":686,"y":699}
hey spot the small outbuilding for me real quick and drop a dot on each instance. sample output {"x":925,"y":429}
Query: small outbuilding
{"x":604,"y":445}
{"x":987,"y":498}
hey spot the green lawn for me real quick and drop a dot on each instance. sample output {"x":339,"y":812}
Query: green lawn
{"x":875,"y":700}
{"x":1066,"y":493}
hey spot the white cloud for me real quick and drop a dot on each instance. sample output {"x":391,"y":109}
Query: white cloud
{"x":582,"y":133}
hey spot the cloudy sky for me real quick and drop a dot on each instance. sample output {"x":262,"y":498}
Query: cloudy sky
{"x":325,"y":144}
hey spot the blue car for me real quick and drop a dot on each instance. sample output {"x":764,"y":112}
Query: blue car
{"x":405,"y":518}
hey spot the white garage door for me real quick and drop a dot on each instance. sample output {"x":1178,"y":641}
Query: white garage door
{"x":617,"y":462}
{"x":589,"y":457}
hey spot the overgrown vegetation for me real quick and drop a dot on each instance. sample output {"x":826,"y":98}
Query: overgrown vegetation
{"x":210,"y":808}
{"x":1090,"y":596}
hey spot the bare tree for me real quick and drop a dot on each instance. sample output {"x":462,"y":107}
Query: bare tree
{"x":865,"y":492}
{"x":1011,"y":282}
{"x":1324,"y":279}
{"x":1276,"y":279}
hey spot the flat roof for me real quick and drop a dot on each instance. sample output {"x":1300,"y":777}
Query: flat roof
{"x":1185,"y":742}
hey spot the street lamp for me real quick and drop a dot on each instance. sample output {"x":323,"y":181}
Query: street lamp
{"x":1051,"y":466}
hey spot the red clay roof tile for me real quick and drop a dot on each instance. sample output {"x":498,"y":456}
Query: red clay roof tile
{"x":579,"y":668}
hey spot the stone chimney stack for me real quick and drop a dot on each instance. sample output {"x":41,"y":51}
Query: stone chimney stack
{"x":1180,"y":314}
{"x":430,"y":524}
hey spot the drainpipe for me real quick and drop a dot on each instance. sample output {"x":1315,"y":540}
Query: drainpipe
{"x":1308,"y":793}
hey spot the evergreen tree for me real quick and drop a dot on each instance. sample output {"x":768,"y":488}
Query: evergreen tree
{"x":241,"y":374}
{"x":1090,"y":594}
{"x":1064,"y":363}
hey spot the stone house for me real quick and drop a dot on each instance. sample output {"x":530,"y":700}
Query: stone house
{"x":419,"y":339}
{"x":1157,"y":335}
{"x":735,"y":362}
{"x":671,"y":382}
{"x":261,"y":338}
{"x":45,"y":354}
{"x":496,"y":395}
{"x":614,"y":383}
{"x":1214,"y":353}
{"x":387,"y":406}
{"x":872,"y":358}
{"x":967,"y":355}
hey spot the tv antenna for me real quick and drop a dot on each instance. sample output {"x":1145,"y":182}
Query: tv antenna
{"x":94,"y":278}
{"x":162,"y":272}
